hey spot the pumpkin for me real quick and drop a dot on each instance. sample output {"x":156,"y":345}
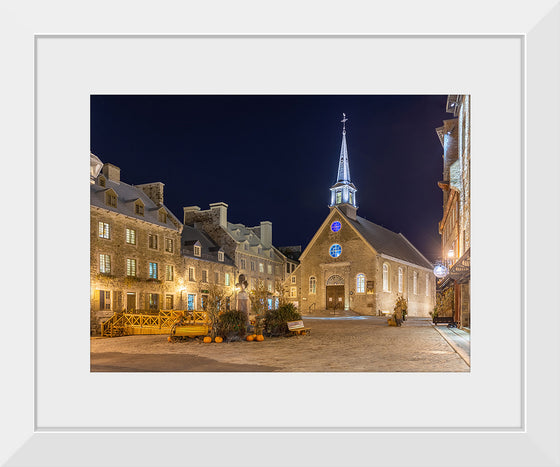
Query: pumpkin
{"x":218,"y":339}
{"x":207,"y":340}
{"x":260,"y":338}
{"x":249,"y":338}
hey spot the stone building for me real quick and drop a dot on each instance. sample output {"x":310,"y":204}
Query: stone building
{"x":142,"y":257}
{"x":250,"y":247}
{"x":208,"y":269}
{"x":455,"y":225}
{"x":135,"y":246}
{"x":354,"y":264}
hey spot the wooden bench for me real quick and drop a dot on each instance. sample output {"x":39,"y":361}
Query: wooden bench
{"x":443,"y":319}
{"x":297,"y":327}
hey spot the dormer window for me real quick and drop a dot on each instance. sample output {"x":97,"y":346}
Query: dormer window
{"x":220,"y":255}
{"x":139,"y":208}
{"x":197,"y":249}
{"x":111,"y":198}
{"x":162,"y":216}
{"x":101,"y":181}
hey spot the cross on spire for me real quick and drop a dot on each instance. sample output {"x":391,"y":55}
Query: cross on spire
{"x":344,"y":120}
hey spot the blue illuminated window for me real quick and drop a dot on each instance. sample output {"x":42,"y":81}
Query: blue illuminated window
{"x":335,"y":250}
{"x":335,"y":226}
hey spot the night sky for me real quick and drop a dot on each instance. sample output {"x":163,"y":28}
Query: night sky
{"x":275,"y":157}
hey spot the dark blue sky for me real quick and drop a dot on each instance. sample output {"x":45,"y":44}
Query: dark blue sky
{"x":275,"y":157}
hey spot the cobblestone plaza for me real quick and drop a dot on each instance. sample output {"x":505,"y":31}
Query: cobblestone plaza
{"x":342,"y":344}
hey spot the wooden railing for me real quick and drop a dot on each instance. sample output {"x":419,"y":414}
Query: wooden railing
{"x":140,"y":323}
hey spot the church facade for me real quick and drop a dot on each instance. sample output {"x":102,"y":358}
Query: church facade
{"x":355,"y":265}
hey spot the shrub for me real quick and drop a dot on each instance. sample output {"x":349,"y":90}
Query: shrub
{"x":232,"y":324}
{"x":275,"y":321}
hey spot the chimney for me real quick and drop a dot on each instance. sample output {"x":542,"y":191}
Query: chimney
{"x":112,"y":172}
{"x":154,"y":191}
{"x":221,"y":210}
{"x":266,"y":234}
{"x":189,"y":214}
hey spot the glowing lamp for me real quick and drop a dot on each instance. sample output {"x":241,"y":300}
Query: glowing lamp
{"x":95,"y":166}
{"x":440,"y":271}
{"x":451,"y":253}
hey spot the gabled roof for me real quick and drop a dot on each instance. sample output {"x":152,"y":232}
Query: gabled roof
{"x":209,"y":250}
{"x":388,"y":243}
{"x":127,"y":195}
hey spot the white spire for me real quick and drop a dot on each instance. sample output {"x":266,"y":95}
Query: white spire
{"x":343,"y":192}
{"x":343,"y":166}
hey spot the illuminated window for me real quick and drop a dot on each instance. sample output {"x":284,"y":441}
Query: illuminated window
{"x":197,"y":250}
{"x":400,"y":280}
{"x":153,"y":270}
{"x":269,"y":286}
{"x":152,"y":241}
{"x":335,"y":226}
{"x":204,"y":275}
{"x":191,"y":274}
{"x":350,"y":197}
{"x":338,"y":197}
{"x":191,"y":300}
{"x":131,"y":236}
{"x":220,"y":255}
{"x":269,"y":268}
{"x":168,"y":272}
{"x":104,"y":230}
{"x":261,"y":267}
{"x":385,"y":277}
{"x":335,"y":250}
{"x":293,"y":292}
{"x":415,"y":282}
{"x":153,"y":301}
{"x":226,"y":278}
{"x":312,"y":284}
{"x":360,"y":283}
{"x":169,"y":245}
{"x":104,"y":264}
{"x":130,"y":267}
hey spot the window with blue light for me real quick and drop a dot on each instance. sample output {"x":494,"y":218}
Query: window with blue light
{"x":335,"y":250}
{"x":335,"y":226}
{"x":190,"y":302}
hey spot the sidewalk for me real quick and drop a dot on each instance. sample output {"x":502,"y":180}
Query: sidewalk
{"x":458,"y":339}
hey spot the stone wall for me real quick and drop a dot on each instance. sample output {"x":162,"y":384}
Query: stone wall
{"x":357,"y":257}
{"x":117,"y":283}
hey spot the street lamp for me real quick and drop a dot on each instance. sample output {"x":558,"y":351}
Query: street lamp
{"x":95,"y":166}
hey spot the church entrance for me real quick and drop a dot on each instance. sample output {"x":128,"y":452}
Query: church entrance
{"x":335,"y":297}
{"x":335,"y":293}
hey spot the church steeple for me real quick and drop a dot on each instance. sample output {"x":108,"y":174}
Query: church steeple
{"x":343,"y":192}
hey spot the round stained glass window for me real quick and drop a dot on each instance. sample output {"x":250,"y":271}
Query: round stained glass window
{"x":335,"y":250}
{"x":335,"y":226}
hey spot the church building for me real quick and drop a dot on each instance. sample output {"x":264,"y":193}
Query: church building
{"x":355,"y":265}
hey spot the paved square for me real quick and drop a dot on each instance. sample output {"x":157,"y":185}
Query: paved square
{"x":343,"y":344}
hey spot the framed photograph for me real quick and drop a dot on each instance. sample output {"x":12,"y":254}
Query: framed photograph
{"x":503,"y":412}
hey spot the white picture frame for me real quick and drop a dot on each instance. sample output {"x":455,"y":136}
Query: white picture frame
{"x":532,"y":441}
